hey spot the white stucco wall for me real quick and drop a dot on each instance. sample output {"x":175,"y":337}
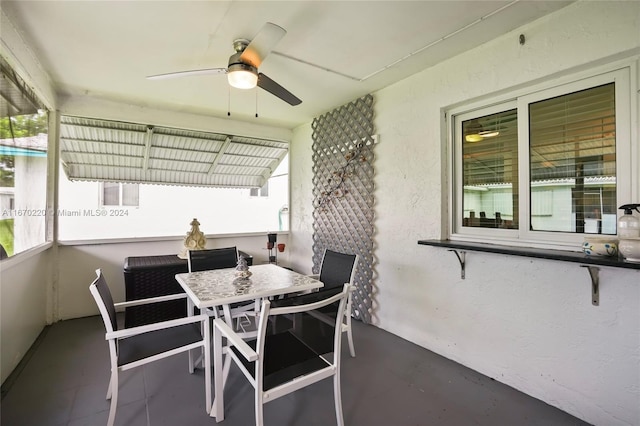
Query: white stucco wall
{"x":528,"y":323}
{"x":23,"y":294}
{"x":301,"y":193}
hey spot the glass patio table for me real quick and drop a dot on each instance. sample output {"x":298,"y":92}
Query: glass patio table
{"x":219,"y":287}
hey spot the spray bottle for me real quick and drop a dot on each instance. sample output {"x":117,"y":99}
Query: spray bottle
{"x":628,"y":225}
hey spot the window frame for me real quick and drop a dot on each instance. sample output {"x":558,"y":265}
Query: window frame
{"x":39,"y":215}
{"x":623,"y":74}
{"x":120,"y":195}
{"x":458,"y":179}
{"x":153,"y":208}
{"x":262,"y":192}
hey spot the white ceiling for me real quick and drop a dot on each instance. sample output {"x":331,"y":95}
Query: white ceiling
{"x":106,"y":48}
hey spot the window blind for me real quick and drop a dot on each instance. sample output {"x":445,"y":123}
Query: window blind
{"x":489,"y":164}
{"x":573,"y":134}
{"x":490,"y":149}
{"x":572,"y":141}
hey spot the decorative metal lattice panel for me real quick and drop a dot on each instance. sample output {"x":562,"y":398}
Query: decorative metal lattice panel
{"x":343,"y":192}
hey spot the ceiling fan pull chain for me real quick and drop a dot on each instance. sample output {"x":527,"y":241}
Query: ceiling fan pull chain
{"x":228,"y":101}
{"x":256,"y":102}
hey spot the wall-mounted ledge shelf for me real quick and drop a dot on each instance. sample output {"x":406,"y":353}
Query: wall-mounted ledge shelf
{"x":590,"y":262}
{"x":567,"y":256}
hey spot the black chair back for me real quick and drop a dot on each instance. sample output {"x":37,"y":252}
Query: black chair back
{"x":204,"y":260}
{"x":107,"y":309}
{"x":301,"y":349}
{"x":336,"y":269}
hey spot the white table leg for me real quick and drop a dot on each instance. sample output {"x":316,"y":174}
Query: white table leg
{"x":217,"y":409}
{"x":190,"y":307}
{"x":221,"y":372}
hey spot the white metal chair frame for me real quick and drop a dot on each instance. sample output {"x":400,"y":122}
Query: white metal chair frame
{"x":113,"y":336}
{"x":256,"y":378}
{"x":346,"y":326}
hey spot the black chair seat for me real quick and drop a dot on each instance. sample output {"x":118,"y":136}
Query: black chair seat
{"x":145,"y":345}
{"x":336,"y":270}
{"x":241,"y":304}
{"x":286,"y":358}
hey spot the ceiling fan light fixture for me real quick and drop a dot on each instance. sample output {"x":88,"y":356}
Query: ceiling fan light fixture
{"x":242,"y":76}
{"x":474,"y":137}
{"x":480,"y":136}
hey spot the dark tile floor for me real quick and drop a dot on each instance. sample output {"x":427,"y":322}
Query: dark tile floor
{"x":391,"y":382}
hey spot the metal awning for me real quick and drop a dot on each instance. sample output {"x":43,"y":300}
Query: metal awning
{"x":101,"y":150}
{"x":16,"y":98}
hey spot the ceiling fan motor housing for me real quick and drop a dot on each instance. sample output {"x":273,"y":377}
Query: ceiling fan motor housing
{"x":241,"y":66}
{"x":237,"y":64}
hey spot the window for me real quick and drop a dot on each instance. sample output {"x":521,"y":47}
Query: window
{"x":171,"y":175}
{"x":167,"y":210}
{"x":120,"y":194}
{"x":23,"y":165}
{"x":544,"y":167}
{"x":23,"y":182}
{"x":260,"y":192}
{"x":490,"y":170}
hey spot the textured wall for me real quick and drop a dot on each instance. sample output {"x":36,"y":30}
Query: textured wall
{"x":525,"y":322}
{"x":23,"y":307}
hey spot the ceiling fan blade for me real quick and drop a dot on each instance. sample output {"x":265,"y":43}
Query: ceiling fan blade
{"x":275,"y":89}
{"x":266,"y":39}
{"x":206,"y":71}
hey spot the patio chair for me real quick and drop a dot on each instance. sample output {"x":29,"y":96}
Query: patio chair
{"x":136,"y":346}
{"x":219,"y":258}
{"x":336,"y":270}
{"x":202,"y":260}
{"x":281,"y":363}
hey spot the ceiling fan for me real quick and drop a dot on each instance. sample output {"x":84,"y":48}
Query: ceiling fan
{"x":242,"y":71}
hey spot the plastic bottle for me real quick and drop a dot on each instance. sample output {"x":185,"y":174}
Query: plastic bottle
{"x":628,"y":225}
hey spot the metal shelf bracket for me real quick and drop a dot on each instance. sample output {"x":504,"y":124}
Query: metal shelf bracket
{"x":595,"y":284}
{"x":461,"y":259}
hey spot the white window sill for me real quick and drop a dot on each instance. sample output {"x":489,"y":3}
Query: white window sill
{"x":166,"y":238}
{"x":24,"y":256}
